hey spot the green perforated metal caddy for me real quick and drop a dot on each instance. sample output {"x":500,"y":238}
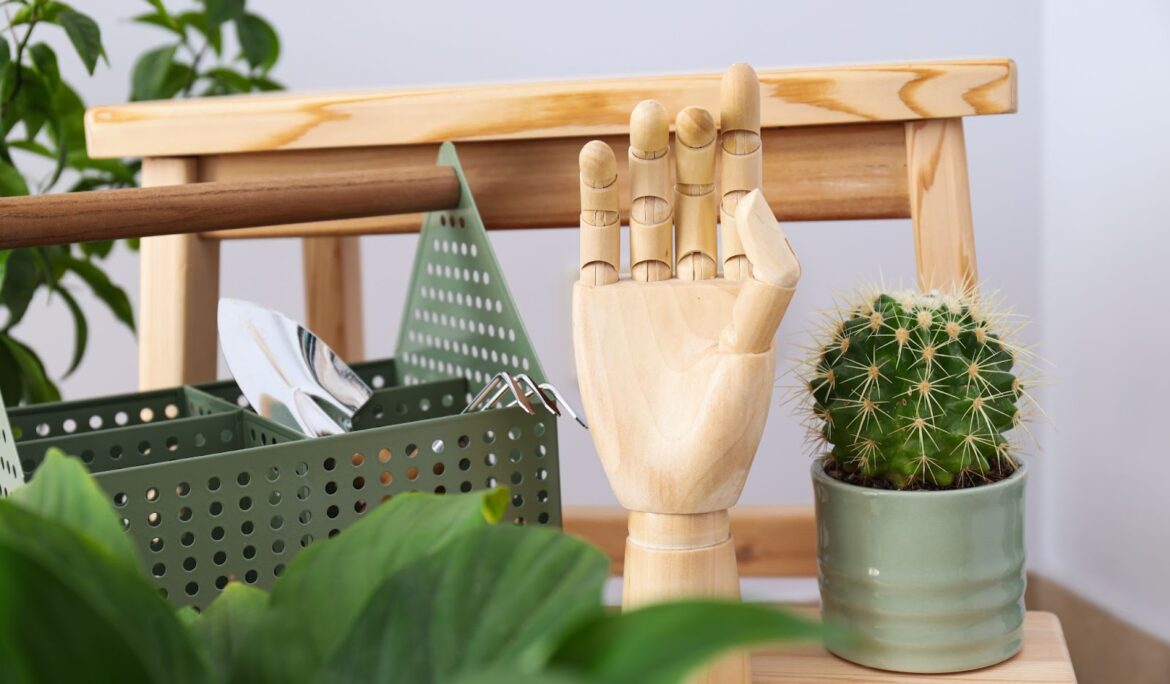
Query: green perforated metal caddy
{"x":211,"y":492}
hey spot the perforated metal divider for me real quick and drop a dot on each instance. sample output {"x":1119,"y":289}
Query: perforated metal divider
{"x":243,"y":515}
{"x":460,"y":320}
{"x":11,"y":472}
{"x":63,"y":419}
{"x":171,"y":440}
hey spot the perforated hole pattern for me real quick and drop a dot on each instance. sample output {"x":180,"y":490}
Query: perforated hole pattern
{"x":244,"y":515}
{"x":172,"y":440}
{"x":109,"y":413}
{"x":460,"y":320}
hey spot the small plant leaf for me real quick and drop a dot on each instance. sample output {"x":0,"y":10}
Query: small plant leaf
{"x":229,"y":81}
{"x":37,"y":387}
{"x":80,"y":330}
{"x":501,"y":597}
{"x":62,"y":490}
{"x":259,"y":42}
{"x":62,"y":591}
{"x":45,"y":61}
{"x":4,"y":254}
{"x":161,"y":20}
{"x":316,"y":615}
{"x":12,"y":183}
{"x":114,"y":296}
{"x":150,"y":73}
{"x":227,"y":624}
{"x":219,"y":11}
{"x":198,"y":21}
{"x":662,"y":643}
{"x":85,"y":35}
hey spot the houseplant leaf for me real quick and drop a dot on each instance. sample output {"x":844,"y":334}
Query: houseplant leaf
{"x":316,"y":615}
{"x":85,"y":35}
{"x":227,"y":624}
{"x":71,"y":613}
{"x":662,"y":643}
{"x":150,"y":73}
{"x":62,"y":490}
{"x":80,"y":330}
{"x":258,"y":41}
{"x":114,"y":296}
{"x":38,"y":387}
{"x":500,"y":597}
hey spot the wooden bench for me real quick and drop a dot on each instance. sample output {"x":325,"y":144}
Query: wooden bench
{"x":841,"y":143}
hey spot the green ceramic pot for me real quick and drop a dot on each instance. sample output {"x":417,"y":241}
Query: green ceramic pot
{"x":921,"y":582}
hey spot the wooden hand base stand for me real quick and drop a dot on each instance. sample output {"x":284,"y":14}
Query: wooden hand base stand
{"x":674,"y":556}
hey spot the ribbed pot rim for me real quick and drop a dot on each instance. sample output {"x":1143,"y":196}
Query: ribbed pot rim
{"x":819,"y":475}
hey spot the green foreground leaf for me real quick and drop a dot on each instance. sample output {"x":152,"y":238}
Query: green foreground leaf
{"x":328,"y":585}
{"x":70,"y":613}
{"x":227,"y":624}
{"x":663,"y":643}
{"x":496,"y":598}
{"x":62,"y":490}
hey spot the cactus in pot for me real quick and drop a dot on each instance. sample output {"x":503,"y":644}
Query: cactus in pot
{"x":907,"y":392}
{"x":916,"y":390}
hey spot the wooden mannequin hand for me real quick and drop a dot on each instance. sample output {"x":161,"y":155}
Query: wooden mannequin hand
{"x":676,"y":376}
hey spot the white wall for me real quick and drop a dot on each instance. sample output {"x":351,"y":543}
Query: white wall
{"x":1106,"y":166}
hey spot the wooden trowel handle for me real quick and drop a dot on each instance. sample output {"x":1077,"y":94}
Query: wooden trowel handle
{"x":199,"y":207}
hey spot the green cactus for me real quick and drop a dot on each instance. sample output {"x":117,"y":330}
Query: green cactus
{"x":917,"y":390}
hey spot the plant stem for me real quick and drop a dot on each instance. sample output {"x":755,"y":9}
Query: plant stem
{"x":16,"y":83}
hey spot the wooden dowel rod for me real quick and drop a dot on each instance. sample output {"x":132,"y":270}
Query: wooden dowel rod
{"x":199,"y":207}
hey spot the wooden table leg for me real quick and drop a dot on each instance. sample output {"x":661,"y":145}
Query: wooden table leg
{"x":333,"y":293}
{"x":179,"y":294}
{"x":940,"y":203}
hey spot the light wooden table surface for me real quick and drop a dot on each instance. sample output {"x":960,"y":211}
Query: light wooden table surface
{"x":1044,"y":659}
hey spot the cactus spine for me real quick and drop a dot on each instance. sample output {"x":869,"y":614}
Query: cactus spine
{"x":917,"y":390}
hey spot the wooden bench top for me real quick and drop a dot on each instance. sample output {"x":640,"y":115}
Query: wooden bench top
{"x":1044,"y":659}
{"x":790,"y":97}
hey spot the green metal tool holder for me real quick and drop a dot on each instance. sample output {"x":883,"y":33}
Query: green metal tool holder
{"x":210,"y":492}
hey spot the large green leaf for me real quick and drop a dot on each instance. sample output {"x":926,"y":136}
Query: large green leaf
{"x":69,"y":613}
{"x":62,"y":490}
{"x":542,"y":677}
{"x":259,"y":42}
{"x":496,"y":598}
{"x":150,"y":73}
{"x":85,"y":35}
{"x":661,"y":644}
{"x":105,"y":290}
{"x":226,"y":624}
{"x":328,"y":585}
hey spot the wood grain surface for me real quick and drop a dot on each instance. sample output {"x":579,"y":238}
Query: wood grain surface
{"x":770,"y":541}
{"x":1044,"y":659}
{"x":179,"y":292}
{"x":198,"y":207}
{"x":818,"y":173}
{"x":593,"y":108}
